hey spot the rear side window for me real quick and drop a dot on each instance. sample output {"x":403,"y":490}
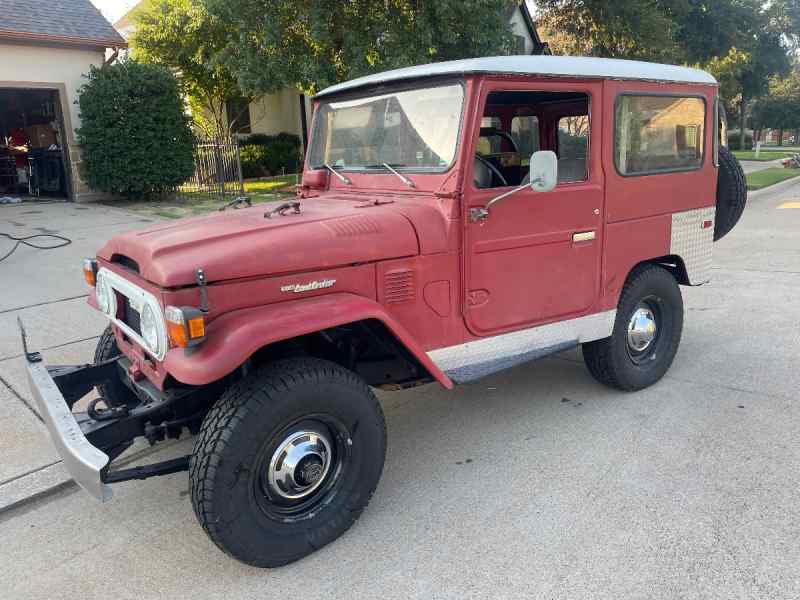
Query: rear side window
{"x":659,"y":134}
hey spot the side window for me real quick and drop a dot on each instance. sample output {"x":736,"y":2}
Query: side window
{"x":573,"y":148}
{"x":505,"y":145}
{"x":658,"y":133}
{"x":525,"y":131}
{"x":490,"y":145}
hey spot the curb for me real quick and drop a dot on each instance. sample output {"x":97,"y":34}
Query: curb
{"x":786,"y":183}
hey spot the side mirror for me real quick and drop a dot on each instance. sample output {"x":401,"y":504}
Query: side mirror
{"x":544,"y":171}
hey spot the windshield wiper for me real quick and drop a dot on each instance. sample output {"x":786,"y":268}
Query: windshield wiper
{"x":339,"y":175}
{"x":402,"y":177}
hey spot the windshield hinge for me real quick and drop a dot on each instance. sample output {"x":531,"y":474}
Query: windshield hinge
{"x":452,"y":195}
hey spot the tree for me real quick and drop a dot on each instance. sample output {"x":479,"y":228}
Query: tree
{"x":311,"y":44}
{"x":182,"y":35}
{"x":745,"y":74}
{"x":135,"y":136}
{"x":780,"y":109}
{"x":644,"y":30}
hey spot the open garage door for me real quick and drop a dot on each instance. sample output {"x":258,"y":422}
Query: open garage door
{"x":33,"y":145}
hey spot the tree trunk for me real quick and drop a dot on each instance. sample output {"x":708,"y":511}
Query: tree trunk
{"x":780,"y":137}
{"x":742,"y":112}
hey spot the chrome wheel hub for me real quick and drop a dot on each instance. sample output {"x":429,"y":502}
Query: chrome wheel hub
{"x":299,"y":465}
{"x":642,"y":329}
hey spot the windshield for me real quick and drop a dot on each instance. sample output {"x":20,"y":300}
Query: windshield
{"x":414,"y":129}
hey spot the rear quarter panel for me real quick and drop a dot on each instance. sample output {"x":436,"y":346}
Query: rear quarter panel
{"x":639,"y":208}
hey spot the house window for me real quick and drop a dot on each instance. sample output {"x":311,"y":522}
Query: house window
{"x":658,"y":134}
{"x":238,"y":113}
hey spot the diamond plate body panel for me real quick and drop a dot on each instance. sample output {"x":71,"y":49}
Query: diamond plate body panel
{"x":693,"y":242}
{"x":476,"y":359}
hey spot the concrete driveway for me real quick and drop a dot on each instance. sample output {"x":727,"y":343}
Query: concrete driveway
{"x":535,"y":483}
{"x":46,"y":289}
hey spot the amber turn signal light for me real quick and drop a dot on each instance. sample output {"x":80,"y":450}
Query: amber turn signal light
{"x":186,"y":326}
{"x":90,"y":271}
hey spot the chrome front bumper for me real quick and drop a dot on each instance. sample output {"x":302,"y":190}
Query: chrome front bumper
{"x":82,"y":460}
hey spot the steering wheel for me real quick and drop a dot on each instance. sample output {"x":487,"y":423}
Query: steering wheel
{"x":495,"y":171}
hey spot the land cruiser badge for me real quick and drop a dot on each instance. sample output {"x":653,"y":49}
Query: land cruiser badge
{"x":298,"y":288}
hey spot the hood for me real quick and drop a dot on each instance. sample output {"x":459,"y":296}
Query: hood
{"x":243,"y":243}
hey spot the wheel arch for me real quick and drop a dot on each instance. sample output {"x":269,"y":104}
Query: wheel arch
{"x":672,"y":263}
{"x":350,"y":330}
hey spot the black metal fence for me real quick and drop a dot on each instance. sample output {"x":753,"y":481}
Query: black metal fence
{"x":217,"y":171}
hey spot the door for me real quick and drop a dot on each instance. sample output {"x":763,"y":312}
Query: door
{"x":537,"y":257}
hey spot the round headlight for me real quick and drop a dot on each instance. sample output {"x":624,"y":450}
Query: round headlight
{"x":149,"y":328}
{"x":103,"y":293}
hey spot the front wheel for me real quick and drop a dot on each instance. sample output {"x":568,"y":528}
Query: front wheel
{"x":646,"y":334}
{"x":286,"y":461}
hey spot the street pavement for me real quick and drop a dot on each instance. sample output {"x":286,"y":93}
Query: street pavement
{"x":534,"y":483}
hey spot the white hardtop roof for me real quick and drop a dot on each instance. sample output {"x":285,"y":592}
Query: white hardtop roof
{"x":546,"y":66}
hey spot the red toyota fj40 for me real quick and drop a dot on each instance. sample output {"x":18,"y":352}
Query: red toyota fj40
{"x":454,"y":219}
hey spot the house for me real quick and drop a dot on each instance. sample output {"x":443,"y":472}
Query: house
{"x":289,"y":111}
{"x":45,"y":49}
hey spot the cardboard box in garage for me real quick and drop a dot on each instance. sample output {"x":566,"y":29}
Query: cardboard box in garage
{"x":41,"y":136}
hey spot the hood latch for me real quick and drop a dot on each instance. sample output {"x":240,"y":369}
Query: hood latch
{"x":283,"y":208}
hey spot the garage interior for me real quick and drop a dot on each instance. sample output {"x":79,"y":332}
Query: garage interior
{"x":32,"y":145}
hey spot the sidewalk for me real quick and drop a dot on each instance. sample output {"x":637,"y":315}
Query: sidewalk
{"x":47,"y":290}
{"x":751,"y":166}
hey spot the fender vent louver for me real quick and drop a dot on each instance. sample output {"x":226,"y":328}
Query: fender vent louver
{"x":399,"y":286}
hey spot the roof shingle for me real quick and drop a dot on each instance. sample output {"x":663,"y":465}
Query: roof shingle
{"x":74,"y":20}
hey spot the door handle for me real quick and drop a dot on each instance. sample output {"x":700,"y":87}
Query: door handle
{"x":583,"y":236}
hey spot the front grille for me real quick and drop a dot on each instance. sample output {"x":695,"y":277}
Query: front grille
{"x":130,"y":316}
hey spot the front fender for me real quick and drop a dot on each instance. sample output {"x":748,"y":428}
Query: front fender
{"x":234,"y":337}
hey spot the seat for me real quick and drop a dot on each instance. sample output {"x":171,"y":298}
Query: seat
{"x":482,"y":175}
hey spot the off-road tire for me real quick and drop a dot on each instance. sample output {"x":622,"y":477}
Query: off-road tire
{"x":114,"y":392}
{"x":731,"y":193}
{"x":609,"y":360}
{"x":247,"y":423}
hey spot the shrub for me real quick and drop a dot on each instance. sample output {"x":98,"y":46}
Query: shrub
{"x":135,"y":136}
{"x":265,"y":155}
{"x":733,"y":141}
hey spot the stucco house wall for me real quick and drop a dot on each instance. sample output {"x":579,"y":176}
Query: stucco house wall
{"x":30,"y":66}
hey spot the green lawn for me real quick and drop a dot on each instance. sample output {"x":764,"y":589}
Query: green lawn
{"x":273,"y":184}
{"x":190,"y":204}
{"x":761,"y":179}
{"x":765,"y":155}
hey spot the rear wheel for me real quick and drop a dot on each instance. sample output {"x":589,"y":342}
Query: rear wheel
{"x":646,"y":335}
{"x":286,"y":461}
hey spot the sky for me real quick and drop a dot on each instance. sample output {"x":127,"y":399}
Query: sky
{"x":114,"y":9}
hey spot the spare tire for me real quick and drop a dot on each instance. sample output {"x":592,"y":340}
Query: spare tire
{"x":731,"y":193}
